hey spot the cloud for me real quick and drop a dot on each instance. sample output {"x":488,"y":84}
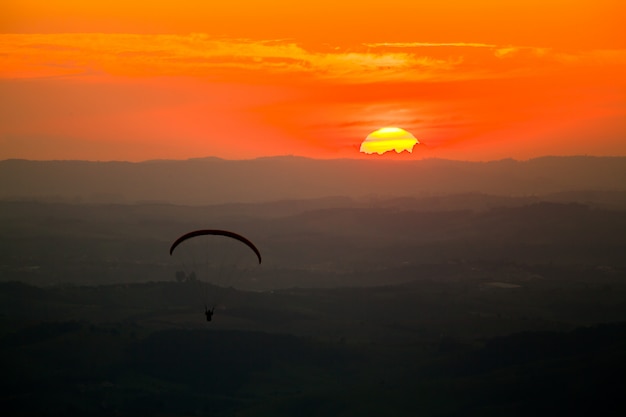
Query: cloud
{"x":199,"y":55}
{"x":428,"y":44}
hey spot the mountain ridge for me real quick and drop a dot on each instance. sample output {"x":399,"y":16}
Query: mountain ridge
{"x":213,"y":180}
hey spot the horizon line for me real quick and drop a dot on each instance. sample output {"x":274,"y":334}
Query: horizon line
{"x":378,"y":158}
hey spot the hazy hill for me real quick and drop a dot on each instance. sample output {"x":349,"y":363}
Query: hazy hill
{"x":326,"y":242}
{"x":212,"y":180}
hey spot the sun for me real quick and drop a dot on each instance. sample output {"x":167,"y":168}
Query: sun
{"x":388,"y":139}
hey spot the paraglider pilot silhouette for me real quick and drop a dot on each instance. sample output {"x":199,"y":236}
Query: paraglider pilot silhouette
{"x":208,"y":313}
{"x":204,"y":232}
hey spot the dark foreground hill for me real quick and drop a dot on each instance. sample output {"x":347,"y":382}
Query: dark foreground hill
{"x":212,"y":180}
{"x":428,"y":348}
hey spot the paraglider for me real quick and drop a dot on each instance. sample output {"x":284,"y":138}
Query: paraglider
{"x":216,"y":232}
{"x":205,"y":253}
{"x":208,"y":313}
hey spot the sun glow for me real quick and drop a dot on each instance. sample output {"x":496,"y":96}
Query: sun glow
{"x":387,"y":139}
{"x":83,"y":77}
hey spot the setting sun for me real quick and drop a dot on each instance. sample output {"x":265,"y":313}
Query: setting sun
{"x":388,"y":139}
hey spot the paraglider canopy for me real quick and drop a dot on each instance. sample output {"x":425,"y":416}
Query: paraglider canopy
{"x":216,"y":232}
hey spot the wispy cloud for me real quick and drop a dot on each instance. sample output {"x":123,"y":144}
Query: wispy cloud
{"x":428,"y":44}
{"x":44,"y":55}
{"x":195,"y":54}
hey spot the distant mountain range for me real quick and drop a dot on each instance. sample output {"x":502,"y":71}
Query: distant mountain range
{"x":216,"y":181}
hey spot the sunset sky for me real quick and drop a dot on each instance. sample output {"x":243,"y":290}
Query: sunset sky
{"x":239,"y":79}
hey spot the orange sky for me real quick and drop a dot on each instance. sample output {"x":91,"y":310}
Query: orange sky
{"x":473,"y":80}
